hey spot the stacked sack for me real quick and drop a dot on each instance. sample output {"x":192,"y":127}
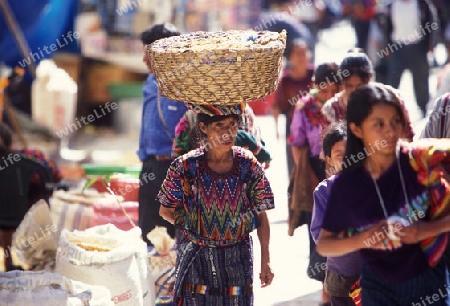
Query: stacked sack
{"x":107,"y":256}
{"x":26,"y":288}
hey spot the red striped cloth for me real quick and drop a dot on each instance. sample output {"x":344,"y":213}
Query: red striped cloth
{"x":429,"y":157}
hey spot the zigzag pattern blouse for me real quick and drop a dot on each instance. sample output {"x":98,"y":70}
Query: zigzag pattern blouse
{"x":216,"y":209}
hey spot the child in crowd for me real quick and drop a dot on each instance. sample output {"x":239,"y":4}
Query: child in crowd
{"x":295,"y":83}
{"x":356,"y":70}
{"x":305,"y":143}
{"x":342,"y":271}
{"x":306,"y":147}
{"x":379,"y":185}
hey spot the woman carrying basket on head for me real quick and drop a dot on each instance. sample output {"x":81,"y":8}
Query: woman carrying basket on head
{"x":217,"y":194}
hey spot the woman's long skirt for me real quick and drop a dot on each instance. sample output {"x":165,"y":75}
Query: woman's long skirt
{"x":214,"y":275}
{"x":431,"y":287}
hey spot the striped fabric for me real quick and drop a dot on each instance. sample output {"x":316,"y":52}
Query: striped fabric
{"x":220,"y":208}
{"x":213,"y":276}
{"x":425,"y":157}
{"x":218,"y":110}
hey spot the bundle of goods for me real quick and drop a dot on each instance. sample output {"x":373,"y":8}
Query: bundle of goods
{"x":162,"y":262}
{"x":124,"y":185}
{"x":35,"y":241}
{"x":26,"y":288}
{"x":431,"y":160}
{"x":106,"y":256}
{"x":219,"y":68}
{"x":73,"y":210}
{"x":111,"y":212}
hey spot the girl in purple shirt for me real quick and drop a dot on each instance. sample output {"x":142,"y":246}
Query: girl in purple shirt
{"x":342,"y":271}
{"x":378,"y":183}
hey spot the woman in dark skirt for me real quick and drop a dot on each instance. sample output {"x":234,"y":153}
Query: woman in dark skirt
{"x":216,"y":195}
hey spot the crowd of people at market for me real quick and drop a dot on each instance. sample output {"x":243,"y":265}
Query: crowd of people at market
{"x":376,"y":203}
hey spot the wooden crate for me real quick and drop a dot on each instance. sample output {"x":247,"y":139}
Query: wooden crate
{"x":99,"y":76}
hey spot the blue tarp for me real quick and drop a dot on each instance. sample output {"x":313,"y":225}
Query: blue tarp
{"x":43,"y":22}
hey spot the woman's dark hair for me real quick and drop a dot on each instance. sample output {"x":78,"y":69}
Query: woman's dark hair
{"x":158,"y":31}
{"x":326,"y":73}
{"x":5,"y":137}
{"x":196,"y":136}
{"x":356,"y":63}
{"x":360,"y":104}
{"x":334,"y":133}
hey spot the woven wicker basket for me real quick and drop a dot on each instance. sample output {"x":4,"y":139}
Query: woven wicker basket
{"x":218,"y":68}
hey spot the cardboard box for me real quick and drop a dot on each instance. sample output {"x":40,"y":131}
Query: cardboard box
{"x":70,"y":63}
{"x":99,"y":76}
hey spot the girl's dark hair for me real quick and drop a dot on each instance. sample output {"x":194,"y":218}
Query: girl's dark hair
{"x":357,"y":63}
{"x":158,"y":31}
{"x":5,"y":137}
{"x":360,"y":104}
{"x":334,"y":133}
{"x":326,"y":73}
{"x":196,"y":136}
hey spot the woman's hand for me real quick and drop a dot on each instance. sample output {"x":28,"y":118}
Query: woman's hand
{"x":413,"y":233}
{"x":266,"y":276}
{"x":374,"y":236}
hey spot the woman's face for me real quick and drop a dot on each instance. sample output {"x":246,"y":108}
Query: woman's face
{"x":221,"y":134}
{"x":337,"y":155}
{"x":381,"y":130}
{"x":328,"y":91}
{"x":351,"y":83}
{"x":300,"y":56}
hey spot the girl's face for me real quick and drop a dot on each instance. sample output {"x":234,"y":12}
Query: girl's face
{"x":351,"y":83}
{"x":337,"y":155}
{"x":381,"y":130}
{"x":221,"y":134}
{"x":327,"y":92}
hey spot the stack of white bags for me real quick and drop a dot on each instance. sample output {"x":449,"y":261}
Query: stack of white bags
{"x":100,"y":266}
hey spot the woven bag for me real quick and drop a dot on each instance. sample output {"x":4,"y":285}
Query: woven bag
{"x":218,"y":68}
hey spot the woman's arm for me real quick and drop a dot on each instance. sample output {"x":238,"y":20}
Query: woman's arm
{"x":421,"y":230}
{"x":167,"y":214}
{"x":319,"y":208}
{"x":263,"y":231}
{"x":333,"y":244}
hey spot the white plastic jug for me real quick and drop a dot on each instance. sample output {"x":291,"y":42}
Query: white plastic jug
{"x":54,"y":97}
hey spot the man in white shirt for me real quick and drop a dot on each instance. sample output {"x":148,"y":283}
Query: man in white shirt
{"x":412,"y":30}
